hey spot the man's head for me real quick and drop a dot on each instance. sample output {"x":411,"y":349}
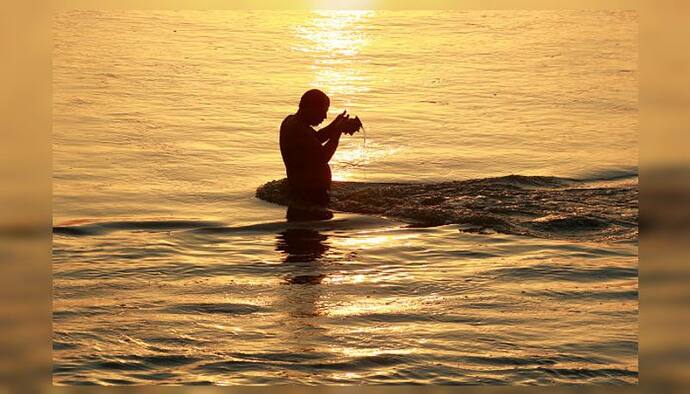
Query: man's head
{"x":313,"y":106}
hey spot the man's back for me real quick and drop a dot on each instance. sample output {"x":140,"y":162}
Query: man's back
{"x":307,"y":168}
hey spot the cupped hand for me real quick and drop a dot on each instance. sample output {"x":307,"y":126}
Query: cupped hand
{"x":340,"y":121}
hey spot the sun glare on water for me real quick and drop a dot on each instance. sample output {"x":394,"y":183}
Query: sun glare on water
{"x":334,"y":40}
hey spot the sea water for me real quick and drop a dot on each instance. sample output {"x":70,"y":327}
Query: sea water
{"x":487,"y":233}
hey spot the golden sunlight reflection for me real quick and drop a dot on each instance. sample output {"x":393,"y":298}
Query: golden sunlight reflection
{"x":392,"y":305}
{"x":369,"y":352}
{"x":334,"y":33}
{"x":335,"y":39}
{"x":351,"y":158}
{"x":371,"y":241}
{"x":338,"y":81}
{"x":367,"y":277}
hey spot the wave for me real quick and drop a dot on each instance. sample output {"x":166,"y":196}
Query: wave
{"x":106,"y":227}
{"x":343,"y":222}
{"x":612,"y":174}
{"x":539,"y":206}
{"x":598,"y":208}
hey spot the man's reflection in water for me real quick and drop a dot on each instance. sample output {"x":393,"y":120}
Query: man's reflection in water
{"x":300,"y":296}
{"x":304,"y":270}
{"x":303,"y":249}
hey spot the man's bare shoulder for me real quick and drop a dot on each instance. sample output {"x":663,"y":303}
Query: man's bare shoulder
{"x":292,"y":124}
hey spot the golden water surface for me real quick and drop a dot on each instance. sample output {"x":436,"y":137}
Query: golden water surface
{"x":168,"y":270}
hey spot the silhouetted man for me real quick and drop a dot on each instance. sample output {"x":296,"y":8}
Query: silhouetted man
{"x":306,"y":153}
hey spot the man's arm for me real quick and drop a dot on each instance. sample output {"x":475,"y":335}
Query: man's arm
{"x":332,"y":130}
{"x":330,"y":146}
{"x":326,"y":133}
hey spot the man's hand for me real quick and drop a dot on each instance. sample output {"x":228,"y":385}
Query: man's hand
{"x":339,"y":123}
{"x":353,"y":126}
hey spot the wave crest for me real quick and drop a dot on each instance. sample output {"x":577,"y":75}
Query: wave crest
{"x":547,"y":207}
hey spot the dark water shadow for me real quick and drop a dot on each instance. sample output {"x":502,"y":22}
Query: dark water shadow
{"x":302,"y":250}
{"x":301,"y":296}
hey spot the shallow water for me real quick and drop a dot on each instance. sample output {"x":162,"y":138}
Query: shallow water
{"x":167,"y":269}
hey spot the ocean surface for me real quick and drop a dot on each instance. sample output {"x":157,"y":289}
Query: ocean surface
{"x":486,"y":224}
